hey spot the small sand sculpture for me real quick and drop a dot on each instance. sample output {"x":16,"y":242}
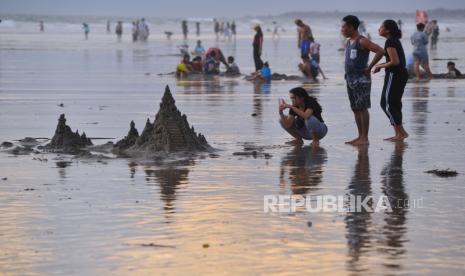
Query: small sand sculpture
{"x":67,"y":141}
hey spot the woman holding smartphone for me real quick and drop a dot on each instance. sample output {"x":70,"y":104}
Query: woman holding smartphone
{"x":304,"y":121}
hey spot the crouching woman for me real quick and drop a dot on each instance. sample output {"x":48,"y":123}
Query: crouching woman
{"x":304,"y":121}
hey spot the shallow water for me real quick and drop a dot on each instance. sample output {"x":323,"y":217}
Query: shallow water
{"x":77,"y":216}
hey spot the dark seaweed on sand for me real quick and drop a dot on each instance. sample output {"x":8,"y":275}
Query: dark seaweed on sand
{"x":443,"y":173}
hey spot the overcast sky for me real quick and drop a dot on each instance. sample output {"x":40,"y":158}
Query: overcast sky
{"x":212,"y":8}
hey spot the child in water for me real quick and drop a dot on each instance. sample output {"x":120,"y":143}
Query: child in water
{"x":452,"y":71}
{"x":263,"y":74}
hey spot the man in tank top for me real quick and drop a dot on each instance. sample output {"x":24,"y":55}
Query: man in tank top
{"x":357,"y":75}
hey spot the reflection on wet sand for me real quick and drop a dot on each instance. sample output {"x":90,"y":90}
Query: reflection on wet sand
{"x":214,"y":87}
{"x":363,"y":234}
{"x":170,"y":178}
{"x":132,"y":169}
{"x":260,"y":89}
{"x":420,"y":110}
{"x":304,"y":168}
{"x":359,"y":224}
{"x":62,"y":165}
{"x":395,"y":229}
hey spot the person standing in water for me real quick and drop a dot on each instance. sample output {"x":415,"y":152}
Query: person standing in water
{"x":143,"y":30}
{"x":304,"y":35}
{"x":233,"y":29}
{"x":119,"y":30}
{"x":434,"y":34}
{"x":86,"y":29}
{"x":197,"y":28}
{"x":420,"y":53}
{"x":216,"y":28}
{"x":184,"y":29}
{"x":41,"y":26}
{"x":357,"y":75}
{"x":257,"y":48}
{"x":275,"y":30}
{"x":108,"y":27}
{"x":135,"y":30}
{"x":304,"y":121}
{"x":395,"y":79}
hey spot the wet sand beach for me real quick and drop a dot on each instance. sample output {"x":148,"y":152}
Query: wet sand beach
{"x":62,"y":215}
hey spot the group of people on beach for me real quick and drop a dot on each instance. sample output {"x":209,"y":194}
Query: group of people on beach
{"x":304,"y":120}
{"x":426,"y":34}
{"x":140,"y":30}
{"x":206,"y":62}
{"x":225,"y":29}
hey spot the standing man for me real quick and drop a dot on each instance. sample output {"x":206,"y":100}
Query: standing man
{"x":304,"y":34}
{"x":197,"y":28}
{"x":357,"y":75}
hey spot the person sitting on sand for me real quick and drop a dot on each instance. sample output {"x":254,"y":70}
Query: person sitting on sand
{"x":185,"y":67}
{"x":304,"y":121}
{"x":211,"y":65}
{"x":233,"y":68}
{"x":452,"y":72}
{"x":197,"y":65}
{"x":263,"y":75}
{"x":199,"y":50}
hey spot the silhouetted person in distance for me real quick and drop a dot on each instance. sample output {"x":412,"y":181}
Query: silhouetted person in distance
{"x":119,"y":30}
{"x":41,"y":25}
{"x":216,"y":28}
{"x":184,"y":29}
{"x":86,"y":29}
{"x":135,"y":30}
{"x":233,"y":28}
{"x":197,"y":28}
{"x":143,"y":30}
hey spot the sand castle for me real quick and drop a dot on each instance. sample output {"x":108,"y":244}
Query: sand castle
{"x":170,"y":132}
{"x":66,"y":140}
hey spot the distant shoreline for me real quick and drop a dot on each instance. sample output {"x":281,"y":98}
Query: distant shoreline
{"x":435,"y":13}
